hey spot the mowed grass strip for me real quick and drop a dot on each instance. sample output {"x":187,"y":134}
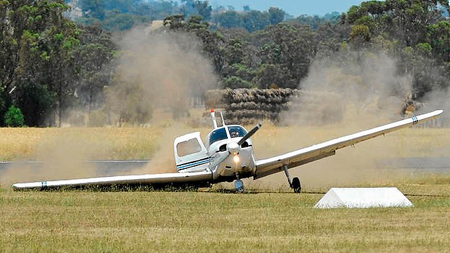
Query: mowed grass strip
{"x":213,"y":222}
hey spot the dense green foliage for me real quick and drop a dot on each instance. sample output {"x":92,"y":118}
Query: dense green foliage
{"x":50,"y":63}
{"x":414,"y":31}
{"x":44,"y":57}
{"x":14,"y":117}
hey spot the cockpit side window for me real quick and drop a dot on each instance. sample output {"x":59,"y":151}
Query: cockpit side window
{"x":188,"y":147}
{"x":237,"y":131}
{"x":217,"y":135}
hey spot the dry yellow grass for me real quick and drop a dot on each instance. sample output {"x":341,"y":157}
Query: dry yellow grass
{"x":98,"y":143}
{"x":141,"y":143}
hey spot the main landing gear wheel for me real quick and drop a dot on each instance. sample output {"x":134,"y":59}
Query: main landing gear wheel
{"x":239,"y":186}
{"x":296,"y":185}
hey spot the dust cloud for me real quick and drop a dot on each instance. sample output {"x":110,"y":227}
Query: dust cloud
{"x":345,"y":88}
{"x":161,"y":69}
{"x":438,"y":100}
{"x":59,"y":157}
{"x":343,"y":95}
{"x":163,"y":161}
{"x":171,"y":70}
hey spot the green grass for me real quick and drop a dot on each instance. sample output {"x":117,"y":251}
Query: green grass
{"x":211,"y":221}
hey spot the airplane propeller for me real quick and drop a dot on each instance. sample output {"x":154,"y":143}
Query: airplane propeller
{"x":249,"y":134}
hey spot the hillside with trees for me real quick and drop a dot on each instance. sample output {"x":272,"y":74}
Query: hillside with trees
{"x":59,"y":55}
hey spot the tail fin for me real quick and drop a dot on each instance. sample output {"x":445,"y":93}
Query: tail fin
{"x":213,"y":115}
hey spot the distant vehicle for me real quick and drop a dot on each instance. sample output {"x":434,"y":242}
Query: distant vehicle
{"x":228,"y":156}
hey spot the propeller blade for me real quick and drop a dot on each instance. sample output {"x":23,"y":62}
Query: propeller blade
{"x":249,"y":134}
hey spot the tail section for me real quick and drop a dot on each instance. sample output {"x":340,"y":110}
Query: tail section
{"x":213,"y":116}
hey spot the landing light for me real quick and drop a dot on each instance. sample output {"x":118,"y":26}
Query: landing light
{"x":236,"y":159}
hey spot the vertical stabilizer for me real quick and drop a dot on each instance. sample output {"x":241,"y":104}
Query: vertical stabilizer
{"x":213,"y":115}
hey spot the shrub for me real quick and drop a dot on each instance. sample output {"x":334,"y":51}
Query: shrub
{"x":14,"y":117}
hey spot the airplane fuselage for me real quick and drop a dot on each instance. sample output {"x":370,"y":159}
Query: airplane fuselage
{"x":229,"y":160}
{"x":227,"y":154}
{"x":238,"y":162}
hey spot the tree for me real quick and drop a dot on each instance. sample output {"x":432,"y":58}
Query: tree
{"x":14,"y":117}
{"x":415,"y":31}
{"x":276,"y":15}
{"x":271,"y":76}
{"x":203,"y":9}
{"x":292,"y":47}
{"x":439,"y":37}
{"x":38,"y":41}
{"x":235,"y":82}
{"x":255,"y":20}
{"x":212,"y":41}
{"x":403,"y":20}
{"x":3,"y":104}
{"x":229,"y":19}
{"x":40,"y":72}
{"x":94,"y":8}
{"x":359,"y":35}
{"x":94,"y":61}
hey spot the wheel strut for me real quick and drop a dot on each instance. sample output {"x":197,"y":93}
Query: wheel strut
{"x":285,"y":168}
{"x":294,"y":184}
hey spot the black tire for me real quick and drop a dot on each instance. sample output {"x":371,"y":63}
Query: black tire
{"x":296,"y":185}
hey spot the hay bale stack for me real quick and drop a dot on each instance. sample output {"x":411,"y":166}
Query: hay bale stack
{"x":250,"y":105}
{"x":246,"y":106}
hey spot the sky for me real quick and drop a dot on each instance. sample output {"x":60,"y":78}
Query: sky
{"x":292,"y":7}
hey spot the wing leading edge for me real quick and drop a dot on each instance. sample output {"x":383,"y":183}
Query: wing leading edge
{"x":157,"y":179}
{"x":302,"y":156}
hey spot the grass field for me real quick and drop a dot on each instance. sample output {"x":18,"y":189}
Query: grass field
{"x":95,"y":143}
{"x":214,"y":221}
{"x":217,"y":222}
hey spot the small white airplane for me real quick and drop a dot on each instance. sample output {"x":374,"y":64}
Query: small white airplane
{"x":228,"y":156}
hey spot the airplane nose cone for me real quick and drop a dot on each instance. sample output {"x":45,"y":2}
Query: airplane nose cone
{"x":233,"y":147}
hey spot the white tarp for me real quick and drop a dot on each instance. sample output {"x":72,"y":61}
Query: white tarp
{"x":363,"y":198}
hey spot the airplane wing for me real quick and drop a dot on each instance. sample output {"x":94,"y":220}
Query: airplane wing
{"x":306,"y":155}
{"x":151,"y":179}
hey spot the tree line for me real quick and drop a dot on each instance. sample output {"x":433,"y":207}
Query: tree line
{"x":51,"y":63}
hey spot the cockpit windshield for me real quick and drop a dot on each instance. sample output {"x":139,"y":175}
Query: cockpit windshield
{"x":236,"y":131}
{"x":218,"y":135}
{"x":221,"y":134}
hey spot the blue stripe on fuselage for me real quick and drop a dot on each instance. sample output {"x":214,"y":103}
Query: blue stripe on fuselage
{"x":193,"y":164}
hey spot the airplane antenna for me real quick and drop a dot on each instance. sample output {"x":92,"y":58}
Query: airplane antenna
{"x":223,"y":120}
{"x":213,"y":115}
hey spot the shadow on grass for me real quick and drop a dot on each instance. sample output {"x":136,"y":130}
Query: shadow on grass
{"x":118,"y":188}
{"x":157,"y":188}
